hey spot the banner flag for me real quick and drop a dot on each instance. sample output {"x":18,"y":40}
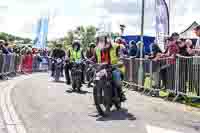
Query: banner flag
{"x":41,"y":33}
{"x":162,"y":22}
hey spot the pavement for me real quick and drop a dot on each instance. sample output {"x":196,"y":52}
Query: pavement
{"x":43,"y":106}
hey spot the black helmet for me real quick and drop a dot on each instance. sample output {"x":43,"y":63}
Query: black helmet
{"x":92,"y":45}
{"x":59,"y":45}
{"x":76,"y":43}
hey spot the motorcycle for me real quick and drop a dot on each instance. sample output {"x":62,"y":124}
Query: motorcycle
{"x":76,"y":74}
{"x":104,"y":92}
{"x":58,"y":65}
{"x":90,"y":72}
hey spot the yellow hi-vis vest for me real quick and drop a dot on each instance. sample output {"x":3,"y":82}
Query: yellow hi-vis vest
{"x":113,"y":55}
{"x":75,"y":55}
{"x":98,"y":53}
{"x":114,"y":58}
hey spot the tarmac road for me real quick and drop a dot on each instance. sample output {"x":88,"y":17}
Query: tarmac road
{"x":45,"y":107}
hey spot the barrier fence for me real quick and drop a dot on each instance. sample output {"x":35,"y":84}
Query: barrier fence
{"x":180,"y":75}
{"x":13,"y":63}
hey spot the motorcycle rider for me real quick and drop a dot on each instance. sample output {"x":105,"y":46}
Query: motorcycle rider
{"x":74,"y":54}
{"x":108,"y":52}
{"x":58,"y":52}
{"x":90,"y":53}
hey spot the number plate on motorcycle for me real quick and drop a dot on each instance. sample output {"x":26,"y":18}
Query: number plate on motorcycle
{"x":59,"y":60}
{"x":97,"y":78}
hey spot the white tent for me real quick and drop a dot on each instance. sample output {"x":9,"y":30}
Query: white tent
{"x":189,"y":32}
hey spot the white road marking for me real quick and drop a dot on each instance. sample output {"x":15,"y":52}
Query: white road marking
{"x":13,"y":123}
{"x":153,"y":129}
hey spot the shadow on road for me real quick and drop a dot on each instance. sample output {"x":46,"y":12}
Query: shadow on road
{"x":59,"y":82}
{"x":81,"y":92}
{"x":123,"y":114}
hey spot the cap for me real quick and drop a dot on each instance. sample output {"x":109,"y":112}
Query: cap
{"x":132,"y":42}
{"x":118,"y":39}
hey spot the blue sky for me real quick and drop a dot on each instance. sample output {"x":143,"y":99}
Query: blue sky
{"x":20,"y":16}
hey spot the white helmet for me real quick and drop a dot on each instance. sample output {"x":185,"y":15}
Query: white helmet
{"x":2,"y":41}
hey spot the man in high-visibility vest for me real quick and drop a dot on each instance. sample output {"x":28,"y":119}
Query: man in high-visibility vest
{"x":74,"y":54}
{"x":108,"y":52}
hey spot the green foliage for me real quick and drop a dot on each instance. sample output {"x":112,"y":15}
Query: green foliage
{"x":85,"y":34}
{"x":9,"y":37}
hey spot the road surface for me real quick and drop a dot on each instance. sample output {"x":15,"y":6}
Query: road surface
{"x":44,"y":106}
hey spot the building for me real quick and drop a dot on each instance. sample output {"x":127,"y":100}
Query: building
{"x":189,"y":32}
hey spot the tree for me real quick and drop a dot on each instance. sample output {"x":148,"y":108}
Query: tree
{"x":88,"y":35}
{"x":11,"y":38}
{"x":85,"y":34}
{"x":3,"y":36}
{"x":27,"y":40}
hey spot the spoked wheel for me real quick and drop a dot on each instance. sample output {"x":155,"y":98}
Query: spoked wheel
{"x":102,"y":99}
{"x":73,"y":85}
{"x":78,"y":86}
{"x":57,"y":75}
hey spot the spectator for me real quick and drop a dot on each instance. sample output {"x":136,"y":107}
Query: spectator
{"x":133,"y":48}
{"x":4,"y":48}
{"x":182,"y":47}
{"x":90,"y":53}
{"x":190,"y":47}
{"x":140,"y":44}
{"x":175,"y":36}
{"x":122,"y":44}
{"x":157,"y":72}
{"x":1,"y":45}
{"x":197,"y":31}
{"x":156,"y":52}
{"x":172,"y":51}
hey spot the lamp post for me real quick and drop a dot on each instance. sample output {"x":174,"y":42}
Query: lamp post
{"x":140,"y":71}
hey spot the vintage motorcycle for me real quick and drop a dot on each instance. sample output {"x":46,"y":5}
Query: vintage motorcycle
{"x":105,"y":93}
{"x":76,"y":74}
{"x":58,"y":62}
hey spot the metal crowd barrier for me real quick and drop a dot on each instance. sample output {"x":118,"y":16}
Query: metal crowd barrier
{"x":189,"y":75}
{"x":180,"y":75}
{"x":13,"y":63}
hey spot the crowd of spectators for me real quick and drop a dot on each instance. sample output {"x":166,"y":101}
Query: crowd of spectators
{"x":30,"y":58}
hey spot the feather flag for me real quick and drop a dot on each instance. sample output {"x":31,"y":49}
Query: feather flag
{"x":162,"y":22}
{"x":41,"y":33}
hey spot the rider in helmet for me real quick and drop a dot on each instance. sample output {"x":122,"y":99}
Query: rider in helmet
{"x":90,"y":53}
{"x":109,"y":52}
{"x":57,"y":52}
{"x":74,"y":54}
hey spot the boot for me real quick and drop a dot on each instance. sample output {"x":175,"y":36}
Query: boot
{"x":123,"y":97}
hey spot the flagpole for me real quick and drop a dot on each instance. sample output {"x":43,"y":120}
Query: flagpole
{"x":142,"y":22}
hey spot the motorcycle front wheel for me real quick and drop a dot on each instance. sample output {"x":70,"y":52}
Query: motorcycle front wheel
{"x":57,"y":75}
{"x":102,"y":98}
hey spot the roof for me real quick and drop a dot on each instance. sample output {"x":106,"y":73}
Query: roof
{"x":193,"y":25}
